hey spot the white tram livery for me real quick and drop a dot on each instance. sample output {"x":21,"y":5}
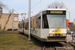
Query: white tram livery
{"x":48,"y":26}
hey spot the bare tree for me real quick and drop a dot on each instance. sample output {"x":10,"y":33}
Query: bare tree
{"x":2,"y":5}
{"x":56,"y":5}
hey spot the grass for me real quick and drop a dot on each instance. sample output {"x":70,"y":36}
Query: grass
{"x":10,"y":41}
{"x":8,"y":32}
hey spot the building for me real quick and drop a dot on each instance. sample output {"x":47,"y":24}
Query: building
{"x":8,"y":21}
{"x":71,"y":24}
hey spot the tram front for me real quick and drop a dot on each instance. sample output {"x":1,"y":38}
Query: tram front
{"x":54,"y":25}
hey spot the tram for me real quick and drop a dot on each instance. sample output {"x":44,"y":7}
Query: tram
{"x":48,"y":26}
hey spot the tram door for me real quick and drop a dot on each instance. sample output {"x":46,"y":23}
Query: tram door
{"x":38,"y":26}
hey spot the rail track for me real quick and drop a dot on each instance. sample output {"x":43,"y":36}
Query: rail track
{"x":53,"y":45}
{"x":57,"y":46}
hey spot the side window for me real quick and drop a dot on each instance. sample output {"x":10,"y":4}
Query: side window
{"x":21,"y":25}
{"x":35,"y":23}
{"x":26,"y":25}
{"x":0,"y":16}
{"x":39,"y":22}
{"x":0,"y":26}
{"x":44,"y":21}
{"x":31,"y":24}
{"x":18,"y":25}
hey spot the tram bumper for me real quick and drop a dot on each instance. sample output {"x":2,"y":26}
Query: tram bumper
{"x":54,"y":39}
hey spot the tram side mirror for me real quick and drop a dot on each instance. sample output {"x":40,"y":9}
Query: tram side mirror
{"x":39,"y":17}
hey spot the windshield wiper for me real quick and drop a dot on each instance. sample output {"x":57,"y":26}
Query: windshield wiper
{"x":60,"y":25}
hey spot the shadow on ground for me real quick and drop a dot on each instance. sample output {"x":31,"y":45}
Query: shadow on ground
{"x":41,"y":44}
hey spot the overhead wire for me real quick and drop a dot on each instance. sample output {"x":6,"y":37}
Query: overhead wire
{"x":16,"y":12}
{"x":31,"y":7}
{"x":36,"y":4}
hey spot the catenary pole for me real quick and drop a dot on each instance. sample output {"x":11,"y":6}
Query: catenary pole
{"x":24,"y":22}
{"x":12,"y":19}
{"x":29,"y":15}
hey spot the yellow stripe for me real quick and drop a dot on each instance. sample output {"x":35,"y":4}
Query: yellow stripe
{"x":35,"y":31}
{"x":57,"y":31}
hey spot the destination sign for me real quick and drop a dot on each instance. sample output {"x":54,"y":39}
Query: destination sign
{"x":55,"y":12}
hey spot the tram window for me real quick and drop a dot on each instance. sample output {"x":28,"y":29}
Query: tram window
{"x":39,"y":22}
{"x":18,"y":25}
{"x":31,"y":24}
{"x":36,"y":22}
{"x":0,"y":26}
{"x":45,"y":21}
{"x":27,"y":27}
{"x":21,"y":25}
{"x":39,"y":17}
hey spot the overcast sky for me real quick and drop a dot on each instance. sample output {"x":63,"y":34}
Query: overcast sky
{"x":21,"y":6}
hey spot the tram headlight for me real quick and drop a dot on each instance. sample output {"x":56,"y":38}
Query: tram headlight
{"x":51,"y":34}
{"x":64,"y":34}
{"x":61,"y":34}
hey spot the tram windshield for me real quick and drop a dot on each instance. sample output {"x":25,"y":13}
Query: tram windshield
{"x":56,"y":21}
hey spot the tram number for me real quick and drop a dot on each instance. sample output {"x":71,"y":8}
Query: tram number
{"x":57,"y":34}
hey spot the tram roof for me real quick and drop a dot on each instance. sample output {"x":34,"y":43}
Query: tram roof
{"x":53,"y":9}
